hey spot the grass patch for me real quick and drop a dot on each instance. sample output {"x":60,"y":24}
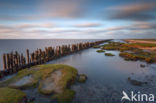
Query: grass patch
{"x":96,"y":46}
{"x":142,"y":45}
{"x":100,"y":51}
{"x":21,"y":74}
{"x":65,"y":97}
{"x":109,"y":54}
{"x":40,"y":74}
{"x":145,"y":39}
{"x":128,"y":56}
{"x":112,"y":46}
{"x":44,"y":71}
{"x":144,"y":56}
{"x":135,"y":52}
{"x":82,"y":78}
{"x":8,"y":95}
{"x":67,"y":78}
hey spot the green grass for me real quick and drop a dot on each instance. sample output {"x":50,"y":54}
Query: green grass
{"x":44,"y":71}
{"x":128,"y":56}
{"x":146,"y":39}
{"x":65,"y":97}
{"x":143,"y":44}
{"x":68,"y":76}
{"x":125,"y":46}
{"x":112,"y":46}
{"x":8,"y":95}
{"x":109,"y":54}
{"x":135,"y":53}
{"x":39,"y":74}
{"x":20,"y":75}
{"x":144,"y":56}
{"x":82,"y":78}
{"x":100,"y":51}
{"x":96,"y":46}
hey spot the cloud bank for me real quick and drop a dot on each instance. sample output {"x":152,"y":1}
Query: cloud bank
{"x":138,"y":12}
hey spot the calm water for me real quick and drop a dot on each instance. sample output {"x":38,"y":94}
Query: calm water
{"x":107,"y":76}
{"x":7,"y":46}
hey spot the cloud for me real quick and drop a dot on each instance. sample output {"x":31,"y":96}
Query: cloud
{"x":6,"y":29}
{"x":20,"y":28}
{"x":135,"y":26}
{"x":62,"y":8}
{"x":33,"y":25}
{"x":140,"y":11}
{"x":42,"y":10}
{"x":143,"y":26}
{"x":137,"y":29}
{"x":87,"y":25}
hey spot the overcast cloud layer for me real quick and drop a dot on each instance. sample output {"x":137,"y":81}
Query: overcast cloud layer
{"x":77,"y":19}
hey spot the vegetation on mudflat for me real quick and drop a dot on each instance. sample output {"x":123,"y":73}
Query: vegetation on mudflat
{"x":96,"y":46}
{"x":65,"y":97}
{"x":109,"y":54}
{"x":64,"y":77}
{"x":143,"y":39}
{"x":125,"y":46}
{"x":134,"y":56}
{"x":8,"y":95}
{"x":82,"y":78}
{"x":131,"y":51}
{"x":100,"y":51}
{"x":112,"y":46}
{"x":142,"y":45}
{"x":51,"y":79}
{"x":19,"y":77}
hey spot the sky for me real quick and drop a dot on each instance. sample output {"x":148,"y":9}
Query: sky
{"x":77,"y":19}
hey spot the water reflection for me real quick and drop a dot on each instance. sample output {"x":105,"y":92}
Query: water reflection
{"x":107,"y":76}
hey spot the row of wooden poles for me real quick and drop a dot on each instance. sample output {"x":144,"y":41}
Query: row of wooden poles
{"x":14,"y":61}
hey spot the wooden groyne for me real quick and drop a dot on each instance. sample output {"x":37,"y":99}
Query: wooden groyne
{"x":14,"y":61}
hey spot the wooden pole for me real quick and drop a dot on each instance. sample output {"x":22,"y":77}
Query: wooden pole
{"x":7,"y":61}
{"x":4,"y":61}
{"x":27,"y":51}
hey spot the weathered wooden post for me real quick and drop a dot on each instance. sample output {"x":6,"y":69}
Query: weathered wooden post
{"x":44,"y":56}
{"x":4,"y":61}
{"x":22,"y":60}
{"x":32,"y":58}
{"x":28,"y":60}
{"x":16,"y":60}
{"x":40,"y":56}
{"x":11,"y":60}
{"x":36,"y":56}
{"x":7,"y":61}
{"x":19,"y":61}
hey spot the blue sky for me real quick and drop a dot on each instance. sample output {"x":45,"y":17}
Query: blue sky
{"x":77,"y":19}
